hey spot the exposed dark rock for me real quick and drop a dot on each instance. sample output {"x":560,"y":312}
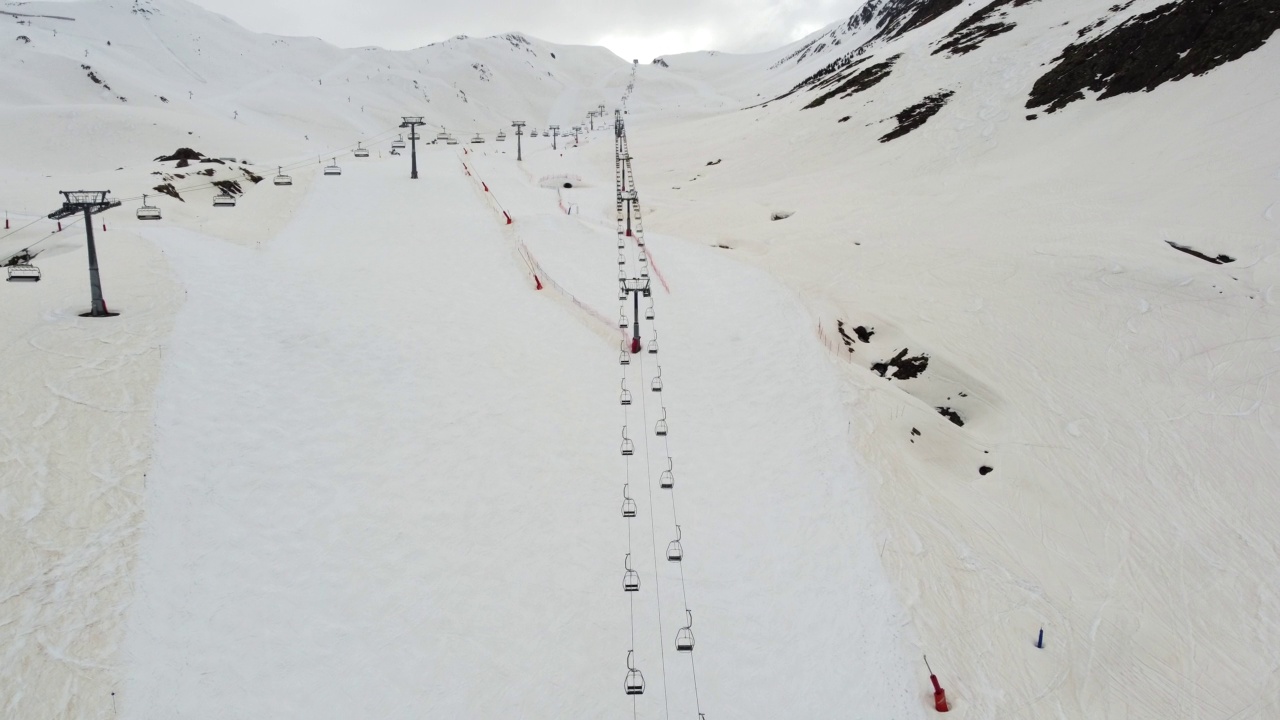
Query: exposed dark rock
{"x":181,"y":154}
{"x":1220,"y":260}
{"x":852,"y":83}
{"x":230,"y":187}
{"x":915,"y":432}
{"x":1171,"y":42}
{"x":660,"y":62}
{"x":903,"y":367}
{"x":168,"y":189}
{"x":864,"y":333}
{"x":985,"y":469}
{"x":844,"y":119}
{"x":918,"y":114}
{"x":781,"y":214}
{"x":990,"y":21}
{"x":714,"y":162}
{"x":951,"y":415}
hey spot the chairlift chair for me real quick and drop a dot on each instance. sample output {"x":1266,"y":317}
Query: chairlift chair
{"x":621,"y":243}
{"x":628,"y":447}
{"x":451,"y":141}
{"x":643,"y":257}
{"x":625,"y":397}
{"x":667,"y":479}
{"x":675,"y":551}
{"x":398,"y":143}
{"x":333,"y":169}
{"x":281,"y":178}
{"x":360,"y":151}
{"x":684,"y":638}
{"x":622,"y":259}
{"x":660,"y":427}
{"x":502,"y":137}
{"x":628,"y":505}
{"x":648,"y":313}
{"x":24,"y":272}
{"x":657,"y":381}
{"x":226,"y":199}
{"x":624,"y":358}
{"x":644,"y":271}
{"x":148,"y":212}
{"x":634,"y":684}
{"x":477,"y":140}
{"x":653,"y":346}
{"x":631,"y":578}
{"x":622,"y":319}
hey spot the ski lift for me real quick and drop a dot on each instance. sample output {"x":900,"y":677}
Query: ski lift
{"x":628,"y":505}
{"x":660,"y":427}
{"x":628,"y":447}
{"x":684,"y":638}
{"x":653,"y":346}
{"x":648,"y":313}
{"x":414,"y":136}
{"x":625,"y":397}
{"x":148,"y":212}
{"x":667,"y":480}
{"x":657,"y":381}
{"x":477,"y":140}
{"x":621,"y":243}
{"x":360,"y":151}
{"x":634,"y":684}
{"x":625,"y":357}
{"x":24,"y":272}
{"x":451,"y":141}
{"x":398,"y":143}
{"x":226,"y":199}
{"x":622,"y":319}
{"x":502,"y":137}
{"x":675,"y":551}
{"x":442,"y":136}
{"x":644,"y":271}
{"x":643,"y":256}
{"x":533,"y":133}
{"x":630,"y":579}
{"x":333,"y":169}
{"x":281,"y":178}
{"x":622,"y":259}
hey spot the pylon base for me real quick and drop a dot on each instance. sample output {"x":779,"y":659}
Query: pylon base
{"x":101,"y":314}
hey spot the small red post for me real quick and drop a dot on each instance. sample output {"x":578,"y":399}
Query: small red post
{"x":539,"y":282}
{"x":939,"y":695}
{"x":59,"y":226}
{"x":508,"y":217}
{"x":484,"y":185}
{"x":628,"y":232}
{"x":104,"y":227}
{"x":6,"y":221}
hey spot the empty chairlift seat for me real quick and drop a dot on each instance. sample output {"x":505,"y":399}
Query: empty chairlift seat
{"x":657,"y":381}
{"x":625,"y":397}
{"x":684,"y":637}
{"x":281,"y":178}
{"x":628,"y":447}
{"x":398,"y":143}
{"x":628,"y":505}
{"x":477,"y":140}
{"x":224,"y":200}
{"x":360,"y":151}
{"x":675,"y":552}
{"x":634,"y":682}
{"x":630,"y":579}
{"x":668,"y":479}
{"x":502,"y":137}
{"x":23,"y":272}
{"x":148,"y":212}
{"x":333,"y":169}
{"x":660,"y":427}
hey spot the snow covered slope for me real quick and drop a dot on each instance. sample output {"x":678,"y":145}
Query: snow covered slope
{"x":1003,"y":363}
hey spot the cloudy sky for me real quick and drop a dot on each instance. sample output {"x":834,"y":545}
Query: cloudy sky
{"x":640,"y":29}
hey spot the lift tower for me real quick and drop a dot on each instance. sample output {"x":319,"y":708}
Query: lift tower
{"x":88,"y":202}
{"x":412,"y":122}
{"x":518,"y":125}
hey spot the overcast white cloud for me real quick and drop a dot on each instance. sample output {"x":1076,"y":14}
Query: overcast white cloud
{"x":640,"y":29}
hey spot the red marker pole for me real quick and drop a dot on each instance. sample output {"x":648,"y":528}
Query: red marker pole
{"x":939,"y":695}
